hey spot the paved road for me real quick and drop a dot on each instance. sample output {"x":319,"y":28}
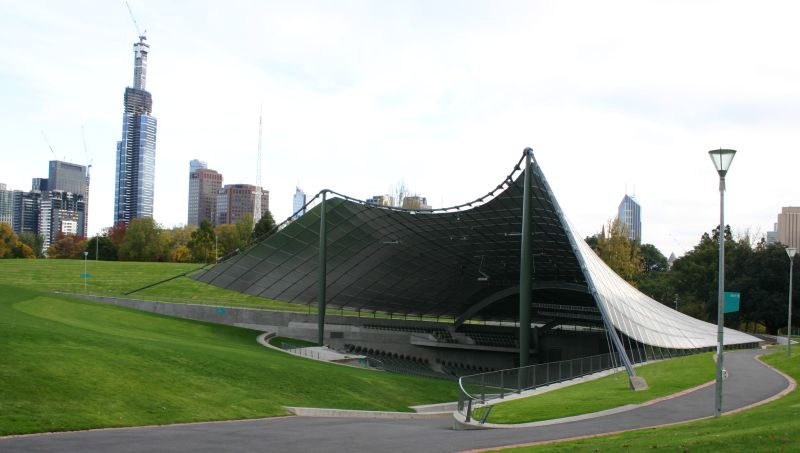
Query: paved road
{"x":749,"y":382}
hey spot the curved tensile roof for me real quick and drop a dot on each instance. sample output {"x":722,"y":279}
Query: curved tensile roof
{"x":462,"y":262}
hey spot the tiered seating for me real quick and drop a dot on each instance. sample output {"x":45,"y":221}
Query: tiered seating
{"x":497,"y":340}
{"x":442,"y":335}
{"x":398,"y":363}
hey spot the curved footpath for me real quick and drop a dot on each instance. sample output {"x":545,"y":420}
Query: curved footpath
{"x":749,"y":383}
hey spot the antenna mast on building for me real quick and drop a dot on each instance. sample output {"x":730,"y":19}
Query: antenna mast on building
{"x":259,"y":190}
{"x":86,"y":152}
{"x":86,"y":199}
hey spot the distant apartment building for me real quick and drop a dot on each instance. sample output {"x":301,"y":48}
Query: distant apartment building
{"x":69,"y":178}
{"x":416,"y":202}
{"x":630,"y":214}
{"x":54,"y":205}
{"x":789,"y":226}
{"x":381,"y":200}
{"x":298,"y":203}
{"x":204,"y":185}
{"x":61,"y":212}
{"x":234,"y":201}
{"x":6,"y":206}
{"x":26,"y":211}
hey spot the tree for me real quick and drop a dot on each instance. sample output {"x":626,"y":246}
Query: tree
{"x":399,"y":193}
{"x":101,"y":247}
{"x":34,"y":241}
{"x":175,"y":243}
{"x":618,"y":252}
{"x":763,"y":281}
{"x":655,"y":280}
{"x":117,"y":233}
{"x":67,"y":246}
{"x":22,"y":251}
{"x":182,"y":254}
{"x":229,"y":239}
{"x":244,"y":228}
{"x":7,"y":240}
{"x":652,"y":259}
{"x":695,"y":274}
{"x":142,"y":241}
{"x":264,"y":226}
{"x":202,"y":243}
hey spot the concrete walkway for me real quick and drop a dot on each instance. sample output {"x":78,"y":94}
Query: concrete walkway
{"x":750,"y":382}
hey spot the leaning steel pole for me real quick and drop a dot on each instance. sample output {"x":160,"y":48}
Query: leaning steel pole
{"x":525,"y":268}
{"x":323,"y":271}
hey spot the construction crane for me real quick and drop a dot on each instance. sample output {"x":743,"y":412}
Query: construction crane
{"x":142,"y":36}
{"x":86,"y":153}
{"x":50,"y":146}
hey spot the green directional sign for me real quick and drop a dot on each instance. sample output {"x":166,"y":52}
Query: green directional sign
{"x":732,"y":302}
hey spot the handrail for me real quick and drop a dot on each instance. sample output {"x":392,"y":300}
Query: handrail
{"x":476,"y":390}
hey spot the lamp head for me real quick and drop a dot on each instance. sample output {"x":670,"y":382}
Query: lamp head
{"x":791,"y":251}
{"x":722,"y":159}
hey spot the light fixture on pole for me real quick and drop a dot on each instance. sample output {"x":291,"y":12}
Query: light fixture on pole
{"x":722,"y":159}
{"x":790,"y":251}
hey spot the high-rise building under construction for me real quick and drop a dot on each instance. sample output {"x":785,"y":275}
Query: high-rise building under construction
{"x":136,"y":152}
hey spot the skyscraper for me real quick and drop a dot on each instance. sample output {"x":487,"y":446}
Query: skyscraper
{"x":74,"y":179}
{"x":630,"y":214}
{"x":298,"y":202}
{"x":136,"y":152}
{"x":789,"y":226}
{"x":234,"y":201}
{"x":204,"y":184}
{"x":6,"y":206}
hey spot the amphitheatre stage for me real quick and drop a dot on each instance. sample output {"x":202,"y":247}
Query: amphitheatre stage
{"x":500,"y":282}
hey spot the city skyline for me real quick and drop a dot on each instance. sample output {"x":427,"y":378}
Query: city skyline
{"x":357,"y":97}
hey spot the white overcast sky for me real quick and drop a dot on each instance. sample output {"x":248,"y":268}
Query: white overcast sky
{"x":444,"y":95}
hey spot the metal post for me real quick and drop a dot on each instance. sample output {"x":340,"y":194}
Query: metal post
{"x":96,"y":247}
{"x":789,"y":329}
{"x":323,"y":272}
{"x":85,"y":274}
{"x":525,"y":269}
{"x":720,"y":299}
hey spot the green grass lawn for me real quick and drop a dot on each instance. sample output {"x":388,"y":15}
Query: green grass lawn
{"x":115,"y":278}
{"x":68,"y":364}
{"x":773,"y":427}
{"x":607,"y":392}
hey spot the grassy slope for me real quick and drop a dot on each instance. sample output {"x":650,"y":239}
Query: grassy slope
{"x":772,"y":427}
{"x":69,"y":364}
{"x":113,"y":278}
{"x":608,"y":392}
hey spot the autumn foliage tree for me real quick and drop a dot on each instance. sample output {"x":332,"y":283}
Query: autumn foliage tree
{"x":618,"y":252}
{"x":69,"y":246}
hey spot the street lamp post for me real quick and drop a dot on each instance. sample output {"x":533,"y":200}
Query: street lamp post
{"x":790,"y":251}
{"x":722,"y":159}
{"x":85,"y":274}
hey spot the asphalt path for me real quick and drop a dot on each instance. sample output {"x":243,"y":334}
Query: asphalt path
{"x":749,"y":382}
